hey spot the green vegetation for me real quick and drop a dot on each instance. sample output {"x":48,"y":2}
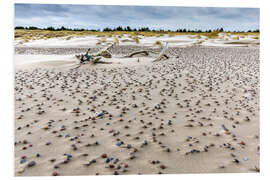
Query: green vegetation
{"x":158,"y":43}
{"x":31,"y":33}
{"x":116,"y":40}
{"x":136,"y":39}
{"x":235,"y":38}
{"x":199,"y":42}
{"x":69,"y":37}
{"x":102,"y":40}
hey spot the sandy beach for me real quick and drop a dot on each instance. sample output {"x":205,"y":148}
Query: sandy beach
{"x":196,"y":112}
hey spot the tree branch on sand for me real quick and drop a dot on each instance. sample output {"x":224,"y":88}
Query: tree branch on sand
{"x":105,"y":52}
{"x":162,"y":53}
{"x":146,"y":53}
{"x":96,"y":58}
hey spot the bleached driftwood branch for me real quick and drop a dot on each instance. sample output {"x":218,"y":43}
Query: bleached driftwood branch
{"x":162,"y":53}
{"x":99,"y":60}
{"x":105,"y":52}
{"x":97,"y":57}
{"x":146,"y":53}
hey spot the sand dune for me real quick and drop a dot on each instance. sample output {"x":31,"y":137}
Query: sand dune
{"x":178,"y":41}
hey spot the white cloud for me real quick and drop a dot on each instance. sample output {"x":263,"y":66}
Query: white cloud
{"x":89,"y":16}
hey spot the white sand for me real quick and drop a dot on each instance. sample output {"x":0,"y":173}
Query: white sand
{"x":198,"y":89}
{"x":179,"y":40}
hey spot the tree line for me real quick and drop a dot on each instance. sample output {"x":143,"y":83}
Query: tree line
{"x":128,"y":28}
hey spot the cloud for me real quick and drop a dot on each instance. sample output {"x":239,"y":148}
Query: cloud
{"x":100,"y":16}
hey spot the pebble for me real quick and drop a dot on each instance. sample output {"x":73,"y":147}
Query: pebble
{"x":31,"y":164}
{"x":162,"y":166}
{"x":54,"y":173}
{"x":116,"y":161}
{"x":100,"y":114}
{"x":22,"y":161}
{"x":108,"y":160}
{"x":69,"y":156}
{"x":145,"y":142}
{"x":104,"y":155}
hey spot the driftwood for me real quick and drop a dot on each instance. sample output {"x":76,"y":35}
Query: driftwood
{"x":99,"y":60}
{"x":146,"y":53}
{"x":162,"y":53}
{"x":93,"y":62}
{"x":104,"y":53}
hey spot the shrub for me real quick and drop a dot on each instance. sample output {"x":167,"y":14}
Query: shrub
{"x":158,"y":43}
{"x":235,"y":38}
{"x":136,"y":39}
{"x":116,"y":40}
{"x":100,"y":41}
{"x":69,"y":37}
{"x":257,"y":37}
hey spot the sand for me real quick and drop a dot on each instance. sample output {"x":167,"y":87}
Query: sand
{"x":224,"y":39}
{"x":197,"y":112}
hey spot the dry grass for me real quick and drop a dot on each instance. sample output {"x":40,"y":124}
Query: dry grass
{"x":116,"y":40}
{"x":136,"y":39}
{"x":199,"y":42}
{"x":45,"y":34}
{"x":256,"y":37}
{"x":102,"y":40}
{"x":69,"y":37}
{"x":235,"y":38}
{"x":158,"y":43}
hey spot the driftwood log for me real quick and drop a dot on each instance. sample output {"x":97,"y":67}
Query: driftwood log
{"x":162,"y":53}
{"x":98,"y":60}
{"x":104,"y":53}
{"x":146,"y":53}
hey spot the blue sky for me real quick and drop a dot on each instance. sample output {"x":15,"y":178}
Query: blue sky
{"x":154,"y":17}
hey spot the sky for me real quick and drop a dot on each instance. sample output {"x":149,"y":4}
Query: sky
{"x":154,"y":17}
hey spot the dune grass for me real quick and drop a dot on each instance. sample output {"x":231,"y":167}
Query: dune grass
{"x":102,"y":40}
{"x":46,"y":34}
{"x":158,"y":43}
{"x":116,"y":40}
{"x":235,"y":38}
{"x":69,"y":37}
{"x":199,"y":42}
{"x":136,"y":39}
{"x":256,"y":37}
